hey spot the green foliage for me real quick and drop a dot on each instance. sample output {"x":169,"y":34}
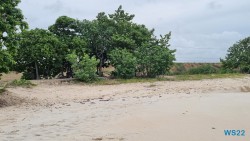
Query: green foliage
{"x":155,"y":58}
{"x":68,"y":32}
{"x":198,"y":68}
{"x":84,"y":68}
{"x":11,"y":21}
{"x":238,"y":56}
{"x":206,"y":76}
{"x":6,"y":61}
{"x":37,"y":54}
{"x":113,"y":31}
{"x":204,"y":69}
{"x":2,"y":88}
{"x":132,"y":48}
{"x":124,"y":63}
{"x":21,"y":83}
{"x":179,"y":69}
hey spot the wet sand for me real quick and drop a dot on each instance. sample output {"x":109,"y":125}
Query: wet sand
{"x":160,"y":111}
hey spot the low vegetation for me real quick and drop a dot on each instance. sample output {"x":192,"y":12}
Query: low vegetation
{"x":199,"y":68}
{"x":124,"y":63}
{"x":20,"y":83}
{"x":184,"y":77}
{"x":2,"y":89}
{"x":207,"y":76}
{"x":84,"y":68}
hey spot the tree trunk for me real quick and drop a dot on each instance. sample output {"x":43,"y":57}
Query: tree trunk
{"x":100,"y":73}
{"x":37,"y":73}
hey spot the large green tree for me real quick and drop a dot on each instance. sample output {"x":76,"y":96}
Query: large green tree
{"x":116,"y":34}
{"x":38,"y":54}
{"x":100,"y":35}
{"x":127,"y":34}
{"x":67,"y":31}
{"x":238,"y":56}
{"x":11,"y":22}
{"x":113,"y":31}
{"x":154,"y":57}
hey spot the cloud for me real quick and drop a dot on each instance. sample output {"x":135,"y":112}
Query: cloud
{"x":57,"y":6}
{"x":204,"y":47}
{"x":214,"y":5}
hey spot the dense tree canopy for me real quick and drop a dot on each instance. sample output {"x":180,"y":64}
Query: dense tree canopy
{"x":154,"y":57}
{"x":38,"y":54}
{"x":114,"y":38}
{"x":65,"y":28}
{"x":11,"y":21}
{"x":238,"y":56}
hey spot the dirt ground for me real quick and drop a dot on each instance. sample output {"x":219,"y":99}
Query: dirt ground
{"x":159,"y":111}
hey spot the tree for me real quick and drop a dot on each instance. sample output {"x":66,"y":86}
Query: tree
{"x":100,"y":43}
{"x":37,"y":54}
{"x":124,"y":63}
{"x":6,"y":61}
{"x":154,"y":57}
{"x":109,"y":32}
{"x":84,"y":68}
{"x":11,"y":21}
{"x":238,"y":56}
{"x":67,"y":31}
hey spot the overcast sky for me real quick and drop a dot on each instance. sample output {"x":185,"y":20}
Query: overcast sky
{"x":202,"y":30}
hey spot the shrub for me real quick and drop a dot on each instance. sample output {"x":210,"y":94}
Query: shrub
{"x":84,"y":68}
{"x":178,"y":69}
{"x":124,"y":63}
{"x":21,"y":83}
{"x":2,"y":89}
{"x":238,"y":56}
{"x":153,"y":60}
{"x":204,"y":69}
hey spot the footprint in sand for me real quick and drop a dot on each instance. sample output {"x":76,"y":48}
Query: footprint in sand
{"x":107,"y":139}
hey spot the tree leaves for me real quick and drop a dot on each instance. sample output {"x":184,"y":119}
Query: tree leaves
{"x":38,"y":47}
{"x":238,"y":56}
{"x":11,"y":22}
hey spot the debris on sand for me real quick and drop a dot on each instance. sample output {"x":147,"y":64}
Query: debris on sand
{"x":7,"y":99}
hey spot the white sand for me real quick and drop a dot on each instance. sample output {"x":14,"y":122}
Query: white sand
{"x":160,"y":111}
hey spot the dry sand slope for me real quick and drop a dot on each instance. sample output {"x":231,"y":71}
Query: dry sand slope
{"x":160,"y":111}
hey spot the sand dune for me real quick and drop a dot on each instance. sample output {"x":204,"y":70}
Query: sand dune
{"x":160,"y":111}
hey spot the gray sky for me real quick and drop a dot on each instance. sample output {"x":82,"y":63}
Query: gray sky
{"x":202,"y":30}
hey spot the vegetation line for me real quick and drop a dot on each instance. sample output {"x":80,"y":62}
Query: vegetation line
{"x":84,"y":48}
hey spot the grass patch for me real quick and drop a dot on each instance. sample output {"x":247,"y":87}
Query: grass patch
{"x":207,"y":76}
{"x":125,"y":81}
{"x":21,"y":83}
{"x":2,"y":89}
{"x":167,"y":78}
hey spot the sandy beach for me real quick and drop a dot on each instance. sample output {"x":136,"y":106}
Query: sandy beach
{"x":160,"y":111}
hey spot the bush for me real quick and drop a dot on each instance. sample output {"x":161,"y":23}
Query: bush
{"x":84,"y":68}
{"x":2,"y":88}
{"x":21,"y":83}
{"x":153,"y":60}
{"x":238,"y":56}
{"x":124,"y":63}
{"x":178,"y":69}
{"x":205,"y":69}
